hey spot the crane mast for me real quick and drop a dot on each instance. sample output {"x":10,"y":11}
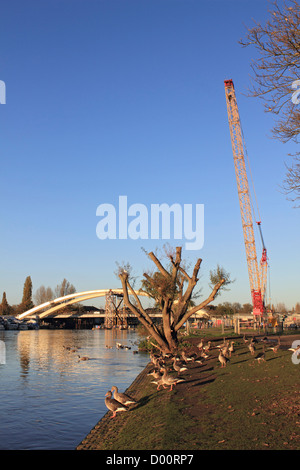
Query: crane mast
{"x":257,"y":274}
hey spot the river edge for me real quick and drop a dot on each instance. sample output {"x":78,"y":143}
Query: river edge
{"x":103,"y":428}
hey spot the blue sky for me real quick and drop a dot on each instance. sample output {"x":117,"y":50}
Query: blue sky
{"x":126,"y":97}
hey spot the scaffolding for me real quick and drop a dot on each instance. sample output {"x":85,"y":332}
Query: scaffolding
{"x":115,"y":311}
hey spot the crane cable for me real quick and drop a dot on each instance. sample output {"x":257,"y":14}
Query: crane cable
{"x":258,"y":212}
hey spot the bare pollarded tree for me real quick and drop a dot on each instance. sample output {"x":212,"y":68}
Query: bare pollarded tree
{"x":172,"y":289}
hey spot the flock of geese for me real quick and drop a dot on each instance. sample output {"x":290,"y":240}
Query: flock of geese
{"x":164,"y":366}
{"x":164,"y":376}
{"x":86,"y":358}
{"x":73,"y":350}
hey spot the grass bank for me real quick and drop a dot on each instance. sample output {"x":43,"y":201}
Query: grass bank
{"x":246,"y":405}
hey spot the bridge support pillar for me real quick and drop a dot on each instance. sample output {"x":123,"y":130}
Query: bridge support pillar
{"x":115,"y":311}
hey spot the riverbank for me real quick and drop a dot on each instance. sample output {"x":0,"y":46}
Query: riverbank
{"x":246,"y":405}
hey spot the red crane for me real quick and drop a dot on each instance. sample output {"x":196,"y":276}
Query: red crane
{"x":257,"y":272}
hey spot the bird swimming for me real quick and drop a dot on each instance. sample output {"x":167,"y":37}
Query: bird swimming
{"x":83,"y":358}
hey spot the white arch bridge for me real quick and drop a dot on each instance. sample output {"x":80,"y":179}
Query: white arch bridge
{"x":114,"y":307}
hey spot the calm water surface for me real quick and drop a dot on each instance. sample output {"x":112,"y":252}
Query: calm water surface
{"x":51,"y":400}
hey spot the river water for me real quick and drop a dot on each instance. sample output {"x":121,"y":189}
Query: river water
{"x":49,"y":400}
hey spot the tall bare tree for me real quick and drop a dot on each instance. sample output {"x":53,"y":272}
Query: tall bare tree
{"x":172,"y":290}
{"x":43,"y":294}
{"x":275,"y":75}
{"x":64,"y":288}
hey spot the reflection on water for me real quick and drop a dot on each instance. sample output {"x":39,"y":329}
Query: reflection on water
{"x":49,"y":398}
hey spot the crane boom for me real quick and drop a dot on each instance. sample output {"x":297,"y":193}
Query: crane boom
{"x":256,"y":276}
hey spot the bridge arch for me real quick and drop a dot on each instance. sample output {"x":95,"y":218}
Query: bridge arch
{"x":61,"y":302}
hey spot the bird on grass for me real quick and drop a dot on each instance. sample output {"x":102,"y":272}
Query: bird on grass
{"x":156,"y":373}
{"x":295,"y":349}
{"x":246,"y":340}
{"x":178,"y":368}
{"x":276,"y":347}
{"x":207,"y":346}
{"x":187,"y":358}
{"x":260,"y":357}
{"x":114,"y":405}
{"x":231,"y":348}
{"x":224,"y":360}
{"x":122,"y":397}
{"x":251,"y":348}
{"x":167,"y":380}
{"x":225,"y":351}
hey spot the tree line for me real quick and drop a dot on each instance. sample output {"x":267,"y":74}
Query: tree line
{"x":42,"y":294}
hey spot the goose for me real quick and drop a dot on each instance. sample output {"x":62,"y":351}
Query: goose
{"x":156,"y":373}
{"x":186,"y":358}
{"x":83,"y":358}
{"x":225,"y":350}
{"x":222,"y":345}
{"x":231,"y":348}
{"x":251,"y":348}
{"x":207,"y":347}
{"x":113,"y":405}
{"x":178,"y":368}
{"x":276,"y":347}
{"x":295,"y":349}
{"x":245,"y":339}
{"x":204,"y":355}
{"x":156,"y":360}
{"x":223,"y":359}
{"x":200,"y":345}
{"x":122,"y":397}
{"x":166,"y":379}
{"x":260,"y":356}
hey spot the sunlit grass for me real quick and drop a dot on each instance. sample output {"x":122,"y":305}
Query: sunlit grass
{"x":243,"y":406}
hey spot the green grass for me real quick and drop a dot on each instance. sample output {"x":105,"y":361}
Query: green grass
{"x":243,"y":406}
{"x":255,"y":406}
